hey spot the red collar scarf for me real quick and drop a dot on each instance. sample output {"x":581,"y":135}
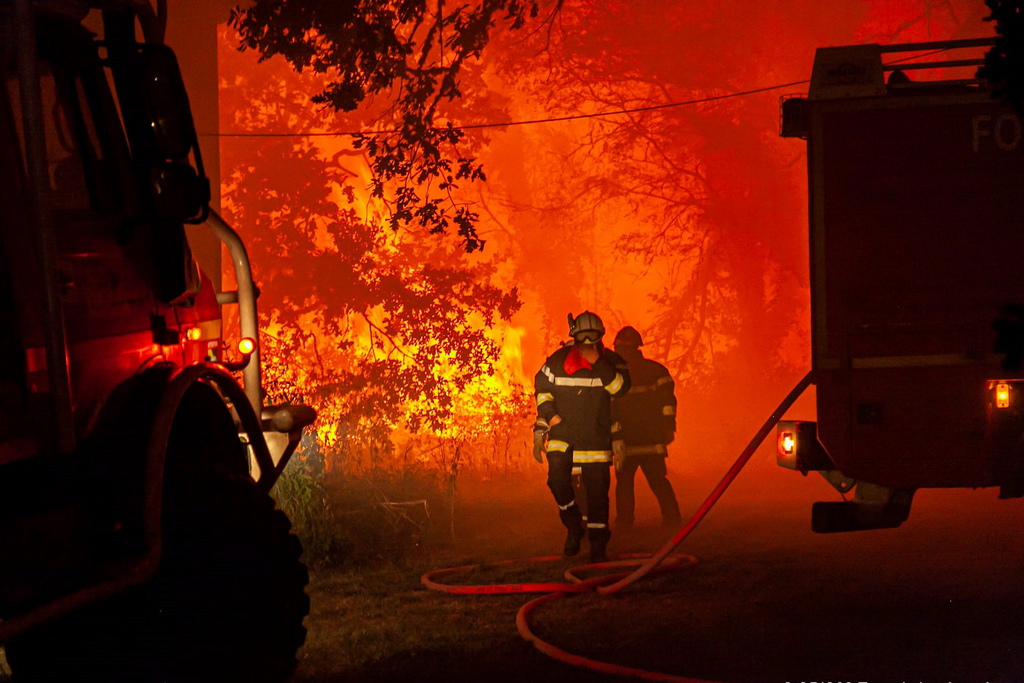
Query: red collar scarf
{"x":575,"y":362}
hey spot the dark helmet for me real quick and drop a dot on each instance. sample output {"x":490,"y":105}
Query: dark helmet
{"x":628,"y":336}
{"x":586,"y":328}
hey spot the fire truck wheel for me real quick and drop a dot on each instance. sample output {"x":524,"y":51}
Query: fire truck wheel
{"x":230,"y":594}
{"x":227,"y":604}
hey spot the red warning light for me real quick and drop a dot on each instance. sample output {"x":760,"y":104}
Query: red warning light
{"x":194,"y":334}
{"x":246,"y":346}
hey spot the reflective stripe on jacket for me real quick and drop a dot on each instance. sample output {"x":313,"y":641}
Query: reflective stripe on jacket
{"x":583,"y":401}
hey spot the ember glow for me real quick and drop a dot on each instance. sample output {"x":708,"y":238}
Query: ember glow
{"x":687,"y":222}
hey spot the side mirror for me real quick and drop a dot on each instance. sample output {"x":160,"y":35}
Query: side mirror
{"x":159,"y":122}
{"x":166,"y":102}
{"x":180,"y":187}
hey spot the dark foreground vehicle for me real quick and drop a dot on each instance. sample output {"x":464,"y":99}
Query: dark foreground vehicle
{"x":916,"y":234}
{"x":138,"y":541}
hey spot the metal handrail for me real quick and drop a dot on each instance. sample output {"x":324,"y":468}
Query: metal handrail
{"x":936,"y":46}
{"x":939,"y":45}
{"x":933,"y":65}
{"x":245,"y":297}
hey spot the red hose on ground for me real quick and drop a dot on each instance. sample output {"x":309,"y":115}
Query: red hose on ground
{"x":575,"y":585}
{"x":499,"y":589}
{"x":522,"y":623}
{"x":731,"y":475}
{"x":608,"y":584}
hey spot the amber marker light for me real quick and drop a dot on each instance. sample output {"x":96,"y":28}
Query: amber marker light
{"x":1002,"y":395}
{"x":787,"y":443}
{"x":246,"y":346}
{"x":194,"y":334}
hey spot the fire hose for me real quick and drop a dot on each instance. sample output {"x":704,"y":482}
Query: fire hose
{"x":663,"y":560}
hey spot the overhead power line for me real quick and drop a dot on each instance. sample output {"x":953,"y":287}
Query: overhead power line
{"x":525,"y":122}
{"x":552,"y":119}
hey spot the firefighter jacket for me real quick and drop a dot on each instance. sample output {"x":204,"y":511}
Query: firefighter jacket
{"x":581,"y":394}
{"x":645,"y":418}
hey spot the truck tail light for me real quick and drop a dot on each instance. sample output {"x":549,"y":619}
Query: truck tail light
{"x":194,"y":334}
{"x":1002,"y":395}
{"x":787,"y":444}
{"x":799,"y":449}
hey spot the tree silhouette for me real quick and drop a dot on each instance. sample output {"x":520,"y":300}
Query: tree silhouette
{"x":1004,"y":63}
{"x":410,"y":53}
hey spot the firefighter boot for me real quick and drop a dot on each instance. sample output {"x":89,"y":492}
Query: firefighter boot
{"x":573,"y":521}
{"x":599,"y":544}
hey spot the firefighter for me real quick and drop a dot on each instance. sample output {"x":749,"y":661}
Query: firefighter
{"x":574,"y":390}
{"x":644,"y":426}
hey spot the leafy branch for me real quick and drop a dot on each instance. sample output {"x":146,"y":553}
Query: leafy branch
{"x":411,"y":52}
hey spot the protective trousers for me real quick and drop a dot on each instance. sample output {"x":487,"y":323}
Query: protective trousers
{"x":654,"y":470}
{"x":580,"y":490}
{"x":596,"y":480}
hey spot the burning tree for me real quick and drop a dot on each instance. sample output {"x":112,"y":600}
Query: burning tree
{"x":385,"y":332}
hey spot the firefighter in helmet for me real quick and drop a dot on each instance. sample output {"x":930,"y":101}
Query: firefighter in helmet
{"x":574,"y":391}
{"x":644,"y":425}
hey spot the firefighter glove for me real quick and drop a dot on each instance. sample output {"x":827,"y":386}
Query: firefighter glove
{"x":538,"y":445}
{"x":618,"y":454}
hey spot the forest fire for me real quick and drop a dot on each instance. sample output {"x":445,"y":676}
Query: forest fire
{"x":422,"y":191}
{"x":682,"y":216}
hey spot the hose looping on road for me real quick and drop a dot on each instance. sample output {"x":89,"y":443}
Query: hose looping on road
{"x":663,"y":560}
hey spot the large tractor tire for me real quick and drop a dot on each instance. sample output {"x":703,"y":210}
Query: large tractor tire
{"x":230,"y":594}
{"x":228,"y":601}
{"x":227,"y":605}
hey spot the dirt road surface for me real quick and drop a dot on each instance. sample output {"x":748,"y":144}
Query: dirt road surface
{"x":940,"y":599}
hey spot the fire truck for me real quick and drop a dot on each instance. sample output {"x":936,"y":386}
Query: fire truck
{"x":916,"y":224}
{"x":138,"y":540}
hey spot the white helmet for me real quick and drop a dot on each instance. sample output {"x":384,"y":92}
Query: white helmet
{"x":586,"y":328}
